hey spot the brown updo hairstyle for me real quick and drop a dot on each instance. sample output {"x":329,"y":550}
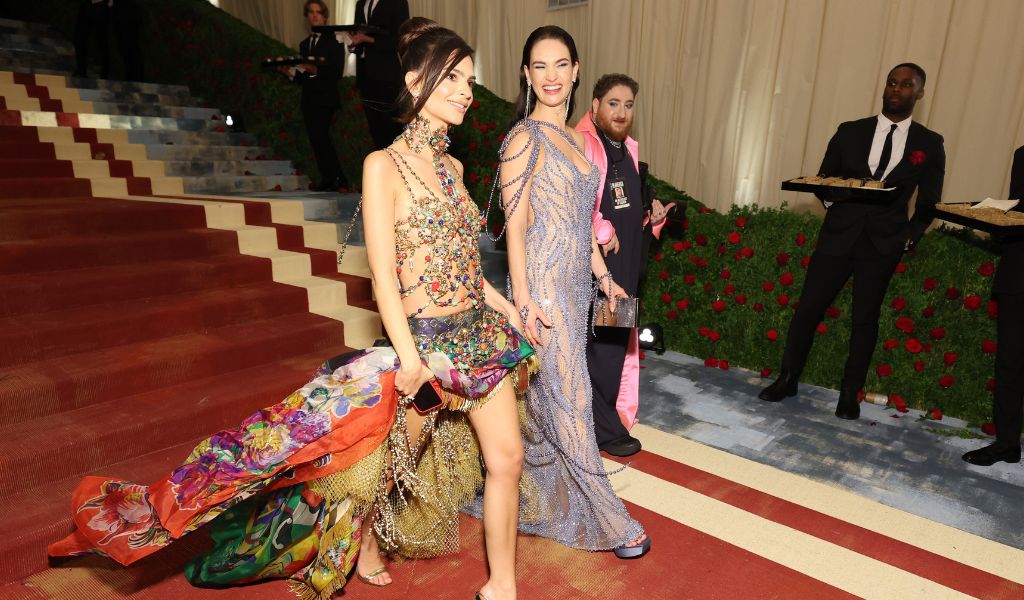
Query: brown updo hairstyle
{"x":433,"y":51}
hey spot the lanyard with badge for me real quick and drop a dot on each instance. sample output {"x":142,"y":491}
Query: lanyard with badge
{"x":617,"y":183}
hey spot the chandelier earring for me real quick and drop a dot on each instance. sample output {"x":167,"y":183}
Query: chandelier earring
{"x":529,"y":88}
{"x":567,"y":99}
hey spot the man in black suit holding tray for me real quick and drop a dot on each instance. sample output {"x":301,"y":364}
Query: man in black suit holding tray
{"x":320,"y":98}
{"x":1008,"y":290}
{"x":866,"y":238}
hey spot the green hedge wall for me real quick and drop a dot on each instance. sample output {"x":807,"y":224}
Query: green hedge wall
{"x":715,"y":281}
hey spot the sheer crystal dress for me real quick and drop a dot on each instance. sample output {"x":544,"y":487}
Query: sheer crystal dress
{"x":574,"y":502}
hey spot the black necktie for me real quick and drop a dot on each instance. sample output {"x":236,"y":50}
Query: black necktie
{"x":883,"y":161}
{"x":312,"y":42}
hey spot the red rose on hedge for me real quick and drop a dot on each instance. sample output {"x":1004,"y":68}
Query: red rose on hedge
{"x":711,"y":361}
{"x":690,"y":279}
{"x":687,"y":245}
{"x":708,"y":287}
{"x":883,"y":370}
{"x":901,"y":267}
{"x":822,"y":329}
{"x":934,"y":414}
{"x":682,"y":305}
{"x":947,"y":381}
{"x":729,"y":289}
{"x":905,"y":325}
{"x":990,"y":385}
{"x":767,"y":286}
{"x":898,"y":303}
{"x":740,"y":299}
{"x":918,"y":157}
{"x":913,"y":346}
{"x":663,"y":275}
{"x":986,"y":269}
{"x":665,"y":297}
{"x":718,"y":306}
{"x":658,"y":257}
{"x":704,"y":210}
{"x":782,"y":258}
{"x":988,"y":346}
{"x":972,"y":302}
{"x":714,"y":336}
{"x":805,"y":261}
{"x":734,"y":238}
{"x":720,"y":250}
{"x":801,"y":239}
{"x":993,"y":309}
{"x":772,"y":334}
{"x":786,"y":279}
{"x":741,"y":222}
{"x":928,"y":311}
{"x":678,"y":246}
{"x":832,"y":312}
{"x":949,"y":358}
{"x":930,"y":284}
{"x":672,"y":315}
{"x":898,"y":403}
{"x":725,"y":274}
{"x":747,"y":252}
{"x":765,"y":372}
{"x":701,"y":240}
{"x":937,"y":334}
{"x":919,"y":366}
{"x":702,"y":263}
{"x":758,"y":307}
{"x":952,"y":293}
{"x":723,"y":365}
{"x":989,"y":428}
{"x":890,"y":343}
{"x":782,"y":299}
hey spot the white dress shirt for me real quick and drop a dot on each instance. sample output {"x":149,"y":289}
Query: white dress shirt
{"x":899,"y":143}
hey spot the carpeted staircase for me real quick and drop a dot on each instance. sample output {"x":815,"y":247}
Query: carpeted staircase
{"x":135,"y":317}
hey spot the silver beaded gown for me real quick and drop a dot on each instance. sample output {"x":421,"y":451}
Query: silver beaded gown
{"x":574,"y":502}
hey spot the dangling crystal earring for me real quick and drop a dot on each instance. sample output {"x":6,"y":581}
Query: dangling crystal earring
{"x":567,"y":100}
{"x":529,"y":88}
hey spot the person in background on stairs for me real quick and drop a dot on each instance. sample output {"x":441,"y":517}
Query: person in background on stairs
{"x":320,"y":98}
{"x":378,"y":70}
{"x":127,"y":20}
{"x":378,"y":448}
{"x":93,"y":17}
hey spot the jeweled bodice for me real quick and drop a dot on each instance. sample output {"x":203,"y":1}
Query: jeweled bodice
{"x":437,"y":244}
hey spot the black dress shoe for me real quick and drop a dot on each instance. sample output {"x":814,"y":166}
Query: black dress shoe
{"x":848,"y":406}
{"x":624,"y":446}
{"x":993,"y":453}
{"x":783,"y":387}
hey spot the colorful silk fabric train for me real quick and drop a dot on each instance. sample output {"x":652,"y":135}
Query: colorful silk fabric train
{"x":286,"y":491}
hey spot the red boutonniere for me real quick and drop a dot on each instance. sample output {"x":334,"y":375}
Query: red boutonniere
{"x":917,"y":157}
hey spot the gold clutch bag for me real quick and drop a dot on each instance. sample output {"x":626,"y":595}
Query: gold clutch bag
{"x":624,"y":316}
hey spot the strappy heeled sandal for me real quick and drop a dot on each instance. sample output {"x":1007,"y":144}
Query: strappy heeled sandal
{"x":368,"y":579}
{"x":634,"y":551}
{"x":479,"y":596}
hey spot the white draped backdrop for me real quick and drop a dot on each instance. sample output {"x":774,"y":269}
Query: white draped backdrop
{"x":737,"y":95}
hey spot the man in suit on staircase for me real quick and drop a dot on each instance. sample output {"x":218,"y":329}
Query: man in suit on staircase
{"x":866,"y":239}
{"x":379,"y":74}
{"x":1008,"y":290}
{"x":320,"y":98}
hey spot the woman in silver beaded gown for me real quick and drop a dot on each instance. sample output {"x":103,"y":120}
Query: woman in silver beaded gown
{"x":547,"y":191}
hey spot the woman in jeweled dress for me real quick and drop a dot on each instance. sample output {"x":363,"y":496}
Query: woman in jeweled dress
{"x":547,"y":191}
{"x":306,"y":489}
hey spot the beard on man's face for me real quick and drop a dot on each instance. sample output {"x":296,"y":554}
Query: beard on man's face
{"x":616,"y":130}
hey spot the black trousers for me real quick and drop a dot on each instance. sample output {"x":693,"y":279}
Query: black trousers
{"x":92,"y":24}
{"x":606,"y":355}
{"x":826,"y":276}
{"x":380,"y":105}
{"x":318,"y":127}
{"x":1009,"y":396}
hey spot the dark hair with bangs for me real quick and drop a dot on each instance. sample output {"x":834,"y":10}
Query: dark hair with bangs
{"x":547,"y":32}
{"x":432,"y":51}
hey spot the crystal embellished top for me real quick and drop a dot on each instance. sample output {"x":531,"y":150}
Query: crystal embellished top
{"x":437,"y":245}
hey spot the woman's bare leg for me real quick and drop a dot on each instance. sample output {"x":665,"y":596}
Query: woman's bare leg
{"x":497,"y":427}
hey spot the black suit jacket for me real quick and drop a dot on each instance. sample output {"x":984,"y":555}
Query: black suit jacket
{"x":923,"y":167}
{"x":381,"y":63}
{"x":322,"y":90}
{"x":1010,"y":275}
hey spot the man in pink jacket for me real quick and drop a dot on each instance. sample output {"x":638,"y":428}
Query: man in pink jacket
{"x":620,"y":223}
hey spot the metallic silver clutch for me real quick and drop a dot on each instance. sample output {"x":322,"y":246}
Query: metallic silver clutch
{"x":624,"y":316}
